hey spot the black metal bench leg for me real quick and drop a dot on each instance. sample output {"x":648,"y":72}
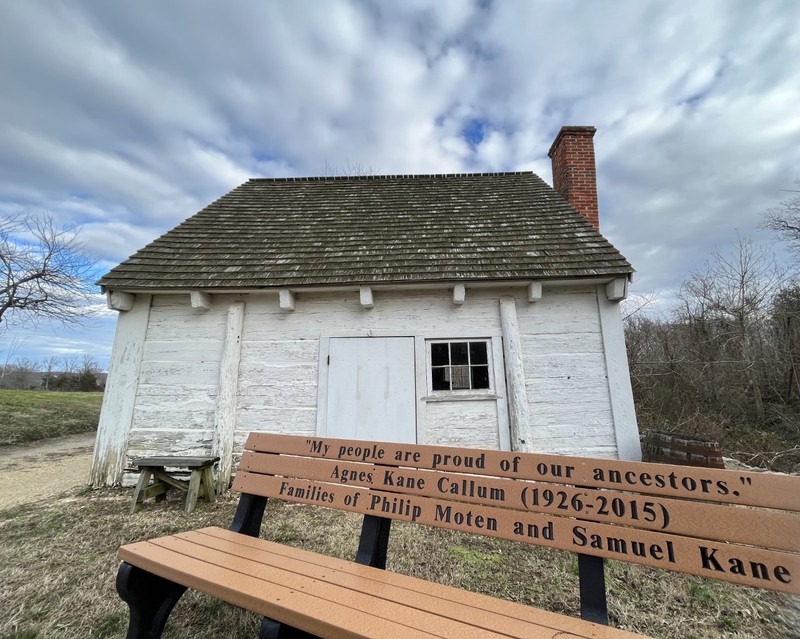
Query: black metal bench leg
{"x":150,"y":598}
{"x":592,"y":581}
{"x":374,"y":542}
{"x":271,"y":629}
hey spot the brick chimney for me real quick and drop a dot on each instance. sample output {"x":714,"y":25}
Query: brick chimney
{"x":574,"y":172}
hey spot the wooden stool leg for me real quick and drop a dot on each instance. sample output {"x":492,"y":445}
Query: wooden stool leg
{"x":208,"y":484}
{"x":141,"y":487}
{"x":194,"y":488}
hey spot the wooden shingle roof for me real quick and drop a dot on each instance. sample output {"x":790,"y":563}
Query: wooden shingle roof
{"x":374,"y":229}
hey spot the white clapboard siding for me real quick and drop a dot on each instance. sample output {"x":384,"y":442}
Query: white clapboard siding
{"x":566,"y":365}
{"x":463,"y":423}
{"x":290,"y":392}
{"x":561,"y":343}
{"x":189,"y":408}
{"x":565,"y":374}
{"x":278,"y":380}
{"x":177,"y":373}
{"x":178,"y":442}
{"x":173,"y":319}
{"x":560,"y":311}
{"x":397,"y":313}
{"x":275,"y":352}
{"x":185,"y":349}
{"x":289,"y":421}
{"x":179,"y":379}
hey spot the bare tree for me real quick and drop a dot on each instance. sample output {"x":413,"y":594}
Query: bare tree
{"x":784,"y":219}
{"x":20,"y":375}
{"x":725,"y":305}
{"x":44,"y":272}
{"x":5,"y":363}
{"x":49,"y":366}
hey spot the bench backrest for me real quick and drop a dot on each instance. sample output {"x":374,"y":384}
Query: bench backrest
{"x":733,"y":526}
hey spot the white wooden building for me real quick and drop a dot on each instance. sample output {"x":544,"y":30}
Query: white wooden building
{"x":473,"y":310}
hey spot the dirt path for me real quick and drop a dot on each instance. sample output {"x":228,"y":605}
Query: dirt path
{"x":43,"y":469}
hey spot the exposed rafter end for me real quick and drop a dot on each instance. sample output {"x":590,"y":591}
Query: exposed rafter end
{"x":617,"y":289}
{"x":534,"y":291}
{"x":200,"y":300}
{"x":117,"y":301}
{"x":365,"y":294}
{"x":459,"y":294}
{"x":286,"y":300}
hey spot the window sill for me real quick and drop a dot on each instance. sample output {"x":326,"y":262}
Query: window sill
{"x":459,"y":396}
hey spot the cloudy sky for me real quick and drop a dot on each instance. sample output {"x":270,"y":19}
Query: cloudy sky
{"x":124,"y":118}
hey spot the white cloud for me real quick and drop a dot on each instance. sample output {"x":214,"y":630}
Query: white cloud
{"x":128,"y":117}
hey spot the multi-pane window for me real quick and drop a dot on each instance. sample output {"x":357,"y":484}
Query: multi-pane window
{"x":459,"y":365}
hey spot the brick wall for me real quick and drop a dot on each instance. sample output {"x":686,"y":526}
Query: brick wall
{"x":574,"y":172}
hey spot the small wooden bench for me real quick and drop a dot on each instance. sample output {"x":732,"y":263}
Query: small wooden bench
{"x":201,"y":482}
{"x":734,"y":526}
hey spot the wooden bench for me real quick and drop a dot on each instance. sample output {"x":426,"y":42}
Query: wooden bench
{"x":734,"y":526}
{"x":200,"y":483}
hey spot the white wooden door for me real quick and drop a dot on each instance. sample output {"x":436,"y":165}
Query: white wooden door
{"x":371,"y":389}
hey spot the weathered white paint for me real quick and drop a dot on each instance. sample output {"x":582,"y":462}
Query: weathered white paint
{"x":179,"y":378}
{"x":565,"y":374}
{"x":371,"y":389}
{"x":501,"y":390}
{"x":283,"y":388}
{"x":173,"y":320}
{"x":365,"y":295}
{"x":177,"y":441}
{"x":534,"y":291}
{"x":225,"y":412}
{"x":286,"y":300}
{"x":404,"y":313}
{"x":117,"y":301}
{"x":116,"y":414}
{"x":421,"y":382}
{"x":459,"y":294}
{"x":472,"y":424}
{"x":521,"y":428}
{"x":617,"y":289}
{"x":619,"y":381}
{"x":200,"y":301}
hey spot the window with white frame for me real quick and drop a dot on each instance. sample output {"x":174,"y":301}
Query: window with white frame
{"x":460,"y":365}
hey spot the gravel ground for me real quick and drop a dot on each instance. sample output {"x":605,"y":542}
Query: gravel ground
{"x":32,"y":472}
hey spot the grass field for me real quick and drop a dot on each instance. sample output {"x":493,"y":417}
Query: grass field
{"x":57,"y":569}
{"x":30,"y":415}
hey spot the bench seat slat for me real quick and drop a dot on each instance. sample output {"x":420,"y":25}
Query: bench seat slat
{"x":265,"y":569}
{"x":720,"y":522}
{"x":400,"y":603}
{"x":264,"y":598}
{"x":358,"y":593}
{"x":449,"y":595}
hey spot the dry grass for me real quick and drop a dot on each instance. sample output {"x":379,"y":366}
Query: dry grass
{"x":57,"y":569}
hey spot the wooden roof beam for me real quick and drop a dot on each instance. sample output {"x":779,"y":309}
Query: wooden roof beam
{"x":617,"y":289}
{"x":117,"y":301}
{"x":534,"y":292}
{"x":286,"y":300}
{"x":459,"y":294}
{"x":200,"y":300}
{"x":365,"y":296}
